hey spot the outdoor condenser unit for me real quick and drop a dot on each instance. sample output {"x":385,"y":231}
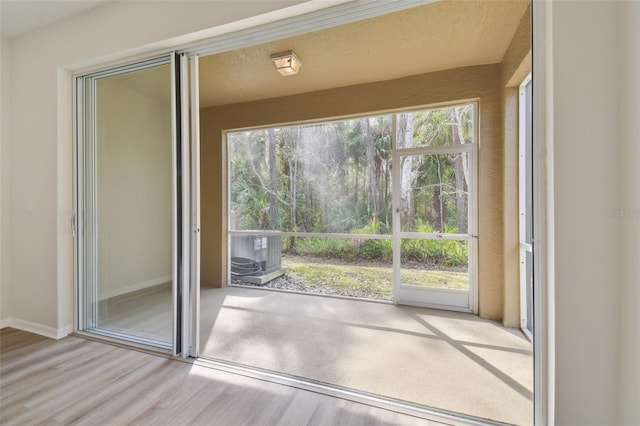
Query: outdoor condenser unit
{"x":255,"y":256}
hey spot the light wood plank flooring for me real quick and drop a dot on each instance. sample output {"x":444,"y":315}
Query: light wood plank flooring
{"x":146,"y":313}
{"x":78,"y":381}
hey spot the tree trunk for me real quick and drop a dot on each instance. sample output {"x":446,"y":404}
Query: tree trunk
{"x":293,"y":189}
{"x":461,"y":176}
{"x":356,"y":185}
{"x":371,"y":184}
{"x":273,"y":180}
{"x":404,"y":139}
{"x":387,"y":207}
{"x":293,"y":180}
{"x":438,"y":205}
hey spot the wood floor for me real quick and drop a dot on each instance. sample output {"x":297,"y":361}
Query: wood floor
{"x":78,"y":381}
{"x":146,"y":313}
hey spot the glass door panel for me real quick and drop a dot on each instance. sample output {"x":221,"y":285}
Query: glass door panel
{"x":129,"y":204}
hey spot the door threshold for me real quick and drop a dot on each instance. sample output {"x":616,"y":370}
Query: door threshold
{"x":374,"y":400}
{"x":125,"y":344}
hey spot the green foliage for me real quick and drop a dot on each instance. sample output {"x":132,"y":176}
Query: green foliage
{"x":321,"y":247}
{"x":381,"y":250}
{"x":335,"y":177}
{"x":447,"y":252}
{"x":348,"y":216}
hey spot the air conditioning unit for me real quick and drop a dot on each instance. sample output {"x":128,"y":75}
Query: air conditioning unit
{"x":256,"y":259}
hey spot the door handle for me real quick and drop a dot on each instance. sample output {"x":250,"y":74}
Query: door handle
{"x":73,"y":224}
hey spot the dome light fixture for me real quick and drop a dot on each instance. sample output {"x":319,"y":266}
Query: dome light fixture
{"x":287,"y":63}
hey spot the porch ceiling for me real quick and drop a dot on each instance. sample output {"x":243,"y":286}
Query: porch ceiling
{"x":438,"y":36}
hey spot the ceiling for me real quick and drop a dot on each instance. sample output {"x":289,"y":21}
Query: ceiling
{"x":437,"y":36}
{"x":442,"y":35}
{"x":20,"y":16}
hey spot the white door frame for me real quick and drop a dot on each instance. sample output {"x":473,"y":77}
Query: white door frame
{"x":439,"y":298}
{"x":190,"y":119}
{"x":526,"y":247}
{"x":543,"y":196}
{"x":85,"y":217}
{"x":189,"y":122}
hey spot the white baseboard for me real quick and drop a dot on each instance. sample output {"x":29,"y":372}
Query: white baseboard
{"x":32,"y":327}
{"x":135,"y":287}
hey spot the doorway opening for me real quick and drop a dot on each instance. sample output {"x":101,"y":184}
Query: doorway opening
{"x":304,"y":125}
{"x":424,"y":201}
{"x":126,"y":170}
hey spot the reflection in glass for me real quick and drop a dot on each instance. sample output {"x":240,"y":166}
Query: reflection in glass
{"x":133,"y":205}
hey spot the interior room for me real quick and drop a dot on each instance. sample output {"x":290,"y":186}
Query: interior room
{"x":63,"y":362}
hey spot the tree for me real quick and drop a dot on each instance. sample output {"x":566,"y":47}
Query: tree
{"x":434,"y":174}
{"x":404,"y":139}
{"x":371,"y":183}
{"x":461,"y":169}
{"x":290,"y":137}
{"x":335,"y":177}
{"x":274,"y":179}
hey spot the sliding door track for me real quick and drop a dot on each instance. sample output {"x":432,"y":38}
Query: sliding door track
{"x":391,"y":404}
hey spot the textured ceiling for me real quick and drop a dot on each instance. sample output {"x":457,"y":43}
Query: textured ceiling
{"x":438,"y":36}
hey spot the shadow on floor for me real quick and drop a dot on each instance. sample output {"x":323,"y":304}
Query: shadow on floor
{"x":446,"y":360}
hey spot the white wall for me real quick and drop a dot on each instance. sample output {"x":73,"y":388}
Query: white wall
{"x":587,"y":70}
{"x":629,"y":183}
{"x":41,"y":203}
{"x":5,"y":84}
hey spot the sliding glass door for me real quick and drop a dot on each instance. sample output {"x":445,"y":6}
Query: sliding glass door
{"x":134,"y":203}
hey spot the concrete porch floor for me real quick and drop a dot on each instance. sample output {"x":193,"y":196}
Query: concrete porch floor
{"x":446,"y":360}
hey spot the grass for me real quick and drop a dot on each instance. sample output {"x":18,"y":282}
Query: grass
{"x":370,"y":280}
{"x":436,"y":278}
{"x":441,"y":253}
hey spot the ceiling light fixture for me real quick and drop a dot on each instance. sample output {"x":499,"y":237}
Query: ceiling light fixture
{"x":287,"y":63}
